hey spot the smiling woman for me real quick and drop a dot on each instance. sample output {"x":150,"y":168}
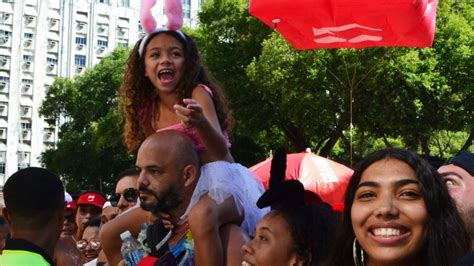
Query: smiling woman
{"x":398,"y":212}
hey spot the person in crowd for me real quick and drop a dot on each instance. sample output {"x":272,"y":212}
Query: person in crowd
{"x":398,"y":212}
{"x":66,"y":252}
{"x":109,"y":212}
{"x":292,"y":236}
{"x":89,"y":206}
{"x":35,"y":215}
{"x":126,"y":190}
{"x":70,"y":226}
{"x":4,"y":232}
{"x":89,"y":244}
{"x":458,"y":173}
{"x":167,"y":184}
{"x":4,"y":227}
{"x":166,"y":87}
{"x":295,"y":232}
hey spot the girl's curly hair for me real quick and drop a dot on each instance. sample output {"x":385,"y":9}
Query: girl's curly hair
{"x":137,"y":92}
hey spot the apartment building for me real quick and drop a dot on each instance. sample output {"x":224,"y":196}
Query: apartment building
{"x":44,"y":39}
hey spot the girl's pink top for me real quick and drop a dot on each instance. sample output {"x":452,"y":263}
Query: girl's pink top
{"x":190,"y":132}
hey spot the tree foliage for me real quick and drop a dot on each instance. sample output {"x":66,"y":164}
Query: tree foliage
{"x":303,"y":98}
{"x":342,"y":103}
{"x":90,"y":152}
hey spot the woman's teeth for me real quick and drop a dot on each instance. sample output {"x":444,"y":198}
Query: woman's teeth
{"x":386,"y":232}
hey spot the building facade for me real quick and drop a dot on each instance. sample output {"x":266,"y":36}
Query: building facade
{"x":44,"y":39}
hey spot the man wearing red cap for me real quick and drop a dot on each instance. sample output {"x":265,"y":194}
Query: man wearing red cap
{"x":89,"y":206}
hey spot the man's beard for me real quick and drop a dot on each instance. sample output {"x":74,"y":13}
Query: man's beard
{"x":467,"y":216}
{"x":164,"y":203}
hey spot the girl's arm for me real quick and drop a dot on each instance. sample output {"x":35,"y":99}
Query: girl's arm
{"x":200,"y":113}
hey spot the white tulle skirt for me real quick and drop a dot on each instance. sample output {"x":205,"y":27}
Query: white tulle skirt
{"x":221,"y":180}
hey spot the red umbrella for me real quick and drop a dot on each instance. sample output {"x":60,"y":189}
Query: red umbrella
{"x":320,"y":175}
{"x":309,"y":24}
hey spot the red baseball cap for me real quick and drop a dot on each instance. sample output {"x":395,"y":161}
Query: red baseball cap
{"x":71,"y":206}
{"x":91,"y":198}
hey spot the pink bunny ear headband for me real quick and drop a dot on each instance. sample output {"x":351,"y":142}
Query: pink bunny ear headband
{"x":174,"y":13}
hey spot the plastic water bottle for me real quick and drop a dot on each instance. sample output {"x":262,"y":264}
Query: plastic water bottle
{"x":132,"y":251}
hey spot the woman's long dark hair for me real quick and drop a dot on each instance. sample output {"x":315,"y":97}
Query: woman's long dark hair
{"x":446,"y":237}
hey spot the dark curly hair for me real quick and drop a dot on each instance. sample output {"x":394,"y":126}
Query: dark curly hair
{"x":137,"y":91}
{"x":446,"y":238}
{"x":311,"y":227}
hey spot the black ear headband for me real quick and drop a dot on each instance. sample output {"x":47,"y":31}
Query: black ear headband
{"x":281,"y":192}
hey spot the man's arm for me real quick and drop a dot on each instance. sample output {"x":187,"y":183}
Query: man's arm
{"x":110,"y":232}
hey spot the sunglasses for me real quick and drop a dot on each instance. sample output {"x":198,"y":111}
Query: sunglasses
{"x":130,"y":194}
{"x":82,"y":244}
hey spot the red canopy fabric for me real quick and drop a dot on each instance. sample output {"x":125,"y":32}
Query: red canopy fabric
{"x":320,"y":175}
{"x":310,"y":24}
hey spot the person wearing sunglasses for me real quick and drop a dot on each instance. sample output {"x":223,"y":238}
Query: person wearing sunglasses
{"x":126,"y":190}
{"x":89,"y":245}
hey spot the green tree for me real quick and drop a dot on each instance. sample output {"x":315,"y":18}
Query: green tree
{"x":396,"y":92}
{"x":90,"y":152}
{"x":229,"y":38}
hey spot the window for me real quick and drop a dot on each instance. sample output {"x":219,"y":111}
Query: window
{"x":81,"y":40}
{"x":26,"y":125}
{"x":187,"y":8}
{"x":27,"y":58}
{"x":23,"y":160}
{"x":4,"y":59}
{"x":80,"y":60}
{"x":2,"y":78}
{"x":124,"y":3}
{"x":102,"y":43}
{"x":53,"y":61}
{"x":3,"y":156}
{"x":27,"y":81}
{"x":5,"y":33}
{"x":123,"y":43}
{"x":25,"y":110}
{"x":28,"y":35}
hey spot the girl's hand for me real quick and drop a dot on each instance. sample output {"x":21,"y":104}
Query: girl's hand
{"x":191,"y":114}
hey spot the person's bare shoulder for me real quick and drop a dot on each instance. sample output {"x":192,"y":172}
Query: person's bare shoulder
{"x":66,"y":252}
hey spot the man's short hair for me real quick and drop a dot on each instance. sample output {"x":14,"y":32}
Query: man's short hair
{"x":32,"y":196}
{"x":128,"y":172}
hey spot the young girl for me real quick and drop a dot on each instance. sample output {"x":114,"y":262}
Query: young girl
{"x":167,"y":87}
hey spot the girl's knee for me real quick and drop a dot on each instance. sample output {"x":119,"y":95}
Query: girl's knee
{"x":204,"y":216}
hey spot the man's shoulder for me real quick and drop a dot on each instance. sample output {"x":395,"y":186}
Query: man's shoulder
{"x":22,"y":257}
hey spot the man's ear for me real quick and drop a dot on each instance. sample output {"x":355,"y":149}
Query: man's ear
{"x":61,"y":213}
{"x":190,"y":174}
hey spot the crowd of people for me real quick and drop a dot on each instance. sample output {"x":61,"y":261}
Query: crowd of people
{"x":188,"y":201}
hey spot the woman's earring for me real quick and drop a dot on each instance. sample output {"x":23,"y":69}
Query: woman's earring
{"x":357,"y":262}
